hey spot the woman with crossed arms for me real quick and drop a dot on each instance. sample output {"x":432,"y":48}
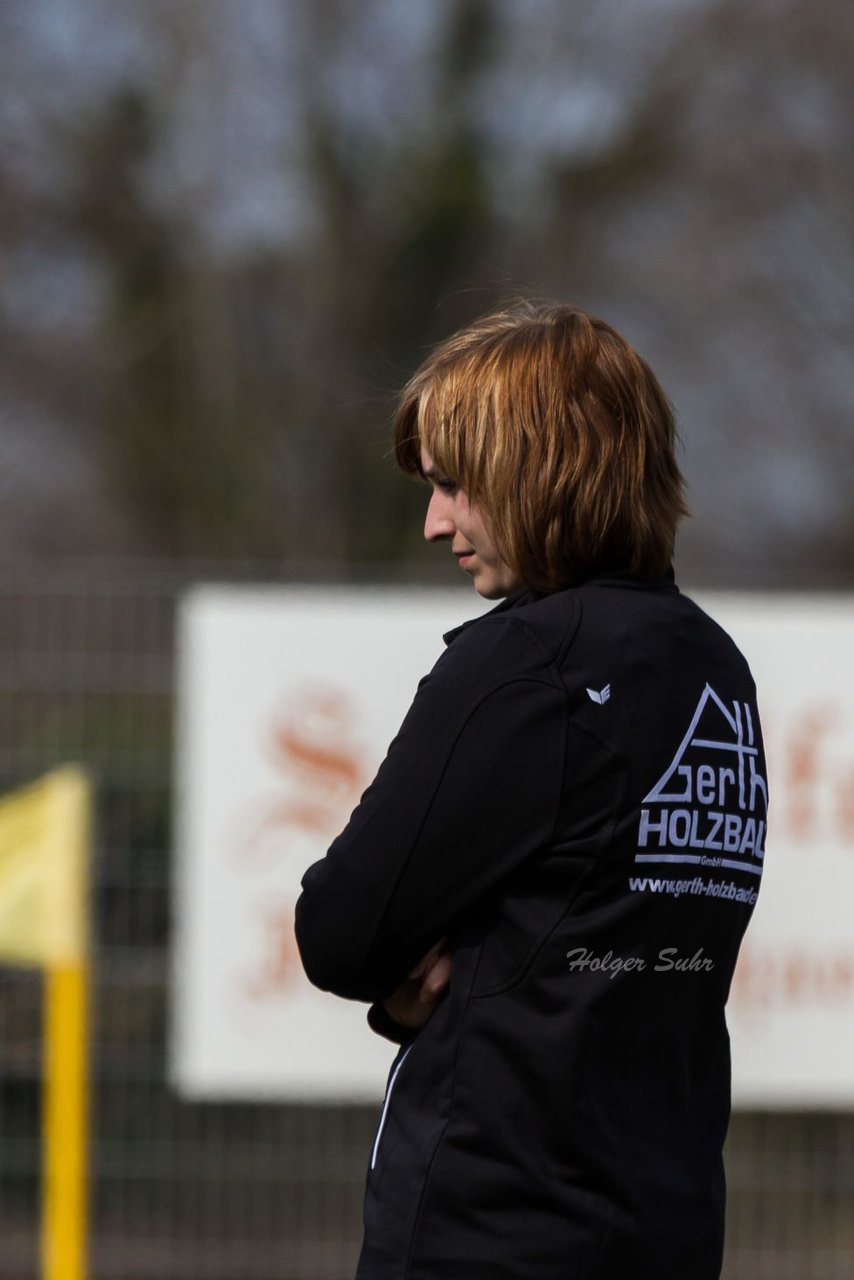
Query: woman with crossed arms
{"x":542,"y":893}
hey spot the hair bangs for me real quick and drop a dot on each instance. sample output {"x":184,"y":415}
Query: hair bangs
{"x":444,"y":412}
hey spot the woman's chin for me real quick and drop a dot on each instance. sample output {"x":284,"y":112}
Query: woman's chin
{"x":490,"y":591}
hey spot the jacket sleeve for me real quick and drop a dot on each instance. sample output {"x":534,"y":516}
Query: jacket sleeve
{"x":469,"y":789}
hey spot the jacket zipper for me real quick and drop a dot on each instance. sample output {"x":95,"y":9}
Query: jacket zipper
{"x":385,"y":1107}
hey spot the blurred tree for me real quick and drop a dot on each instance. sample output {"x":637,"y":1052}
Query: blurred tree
{"x":257,"y":219}
{"x":181,"y":443}
{"x":205,"y":436}
{"x":396,"y":270}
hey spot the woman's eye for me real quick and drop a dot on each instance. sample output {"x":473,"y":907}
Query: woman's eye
{"x":447,"y":486}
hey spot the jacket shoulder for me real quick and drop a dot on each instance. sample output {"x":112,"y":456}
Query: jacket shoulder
{"x":518,"y":641}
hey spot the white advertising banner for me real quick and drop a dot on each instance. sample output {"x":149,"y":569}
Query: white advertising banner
{"x":288,"y":699}
{"x":791,"y":1007}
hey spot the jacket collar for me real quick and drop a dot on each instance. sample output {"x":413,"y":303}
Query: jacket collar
{"x":521,"y":595}
{"x":527,"y":595}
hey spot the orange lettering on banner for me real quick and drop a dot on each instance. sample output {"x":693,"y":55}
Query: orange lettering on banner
{"x":811,"y":775}
{"x":805,"y":768}
{"x":310,"y":744}
{"x":788,"y":977}
{"x":279,"y":966}
{"x":298,"y":746}
{"x":845,"y":806}
{"x":797,"y":976}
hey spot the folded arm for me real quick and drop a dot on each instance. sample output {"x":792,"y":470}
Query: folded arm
{"x":469,"y":789}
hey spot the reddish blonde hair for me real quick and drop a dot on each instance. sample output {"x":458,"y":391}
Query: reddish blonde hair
{"x":560,"y":433}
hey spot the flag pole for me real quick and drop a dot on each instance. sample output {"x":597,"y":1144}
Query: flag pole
{"x":64,"y":1123}
{"x":66,"y":1032}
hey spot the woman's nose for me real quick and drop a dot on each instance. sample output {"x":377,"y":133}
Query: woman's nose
{"x":440,"y":517}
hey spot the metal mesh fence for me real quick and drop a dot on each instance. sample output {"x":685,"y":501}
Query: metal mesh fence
{"x":181,"y":1190}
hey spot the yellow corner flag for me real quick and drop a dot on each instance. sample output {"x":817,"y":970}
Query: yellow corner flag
{"x":45,"y":835}
{"x":44,"y":850}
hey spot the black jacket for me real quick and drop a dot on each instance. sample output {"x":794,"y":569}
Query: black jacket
{"x":577,"y":799}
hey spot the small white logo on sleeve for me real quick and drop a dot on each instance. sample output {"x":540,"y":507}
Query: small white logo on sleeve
{"x":601,"y":696}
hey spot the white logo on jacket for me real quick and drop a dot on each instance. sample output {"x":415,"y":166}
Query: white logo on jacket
{"x":601,"y":696}
{"x":710,"y":805}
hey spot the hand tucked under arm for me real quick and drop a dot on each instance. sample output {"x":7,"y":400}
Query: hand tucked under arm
{"x":413,"y":1002}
